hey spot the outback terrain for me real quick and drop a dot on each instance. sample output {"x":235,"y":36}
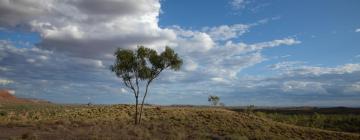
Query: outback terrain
{"x":29,"y":120}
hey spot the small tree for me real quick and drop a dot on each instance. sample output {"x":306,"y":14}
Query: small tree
{"x":143,"y":65}
{"x":214,"y":100}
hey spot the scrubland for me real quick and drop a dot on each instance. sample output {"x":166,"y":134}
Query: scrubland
{"x":51,"y":121}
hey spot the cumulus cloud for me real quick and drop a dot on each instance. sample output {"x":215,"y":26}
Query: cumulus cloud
{"x":217,"y":59}
{"x":88,"y":28}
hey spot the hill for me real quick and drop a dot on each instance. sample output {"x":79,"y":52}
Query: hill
{"x":7,"y":97}
{"x":115,"y":122}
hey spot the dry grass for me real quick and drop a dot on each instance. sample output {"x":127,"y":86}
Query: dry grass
{"x":115,"y":122}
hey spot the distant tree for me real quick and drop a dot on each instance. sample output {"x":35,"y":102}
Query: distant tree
{"x":143,"y":65}
{"x":214,"y":100}
{"x":222,"y":104}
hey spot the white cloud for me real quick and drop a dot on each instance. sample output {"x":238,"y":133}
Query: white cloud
{"x":303,"y":87}
{"x":12,"y":92}
{"x":285,"y":41}
{"x":89,"y":28}
{"x":357,"y":30}
{"x":239,"y":4}
{"x":299,"y":68}
{"x":220,"y":80}
{"x":123,"y":90}
{"x":89,"y":62}
{"x":224,"y":60}
{"x":228,"y":32}
{"x":4,"y":69}
{"x":5,"y":81}
{"x":190,"y":65}
{"x":43,"y":57}
{"x":353,"y":88}
{"x":30,"y":60}
{"x":192,"y":41}
{"x":225,"y":32}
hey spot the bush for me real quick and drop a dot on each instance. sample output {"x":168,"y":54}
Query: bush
{"x":3,"y":113}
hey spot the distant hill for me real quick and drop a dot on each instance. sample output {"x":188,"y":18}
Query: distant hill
{"x":7,"y":97}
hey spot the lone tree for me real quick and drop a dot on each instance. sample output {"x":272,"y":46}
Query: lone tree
{"x":214,"y":100}
{"x":140,"y":67}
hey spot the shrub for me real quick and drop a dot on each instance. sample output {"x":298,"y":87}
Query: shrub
{"x":3,"y":113}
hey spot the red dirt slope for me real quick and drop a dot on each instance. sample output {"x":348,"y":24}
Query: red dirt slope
{"x":7,"y":97}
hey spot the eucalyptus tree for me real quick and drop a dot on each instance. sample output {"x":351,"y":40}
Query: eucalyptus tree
{"x":141,"y":67}
{"x":214,"y":100}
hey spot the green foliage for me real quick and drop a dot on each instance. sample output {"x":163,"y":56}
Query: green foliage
{"x":214,"y":100}
{"x":144,"y":63}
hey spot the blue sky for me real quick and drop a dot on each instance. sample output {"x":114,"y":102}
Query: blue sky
{"x":323,"y":25}
{"x":270,"y":53}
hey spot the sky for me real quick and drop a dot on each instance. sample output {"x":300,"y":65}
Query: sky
{"x":247,"y":52}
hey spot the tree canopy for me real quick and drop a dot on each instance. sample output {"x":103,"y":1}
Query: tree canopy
{"x":214,"y":100}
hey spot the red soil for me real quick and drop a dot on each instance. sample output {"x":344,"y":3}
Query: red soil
{"x":5,"y":96}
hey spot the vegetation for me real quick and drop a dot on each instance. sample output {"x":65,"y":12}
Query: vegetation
{"x":48,"y":121}
{"x":143,"y":64}
{"x":335,"y":122}
{"x":214,"y":100}
{"x":335,"y":119}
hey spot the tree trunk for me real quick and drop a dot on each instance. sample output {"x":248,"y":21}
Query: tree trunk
{"x":143,"y":100}
{"x":136,"y":110}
